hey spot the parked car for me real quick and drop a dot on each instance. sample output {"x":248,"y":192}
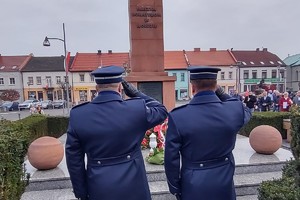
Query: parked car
{"x":9,"y":106}
{"x":47,"y":104}
{"x":59,"y":103}
{"x":28,"y":103}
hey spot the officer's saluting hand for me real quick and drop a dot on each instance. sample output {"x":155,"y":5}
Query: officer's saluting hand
{"x":129,"y":89}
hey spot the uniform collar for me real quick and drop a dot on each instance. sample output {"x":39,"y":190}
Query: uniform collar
{"x":106,"y":96}
{"x":205,"y":97}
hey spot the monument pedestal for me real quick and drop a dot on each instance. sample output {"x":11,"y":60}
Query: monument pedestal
{"x":155,"y":84}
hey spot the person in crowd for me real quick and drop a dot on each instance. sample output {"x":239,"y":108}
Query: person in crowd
{"x":265,"y":102}
{"x":285,"y":102}
{"x":276,"y":96}
{"x":32,"y":109}
{"x":39,"y":109}
{"x":109,"y":131}
{"x":296,"y":99}
{"x":199,"y":163}
{"x":250,"y":101}
{"x":237,"y":95}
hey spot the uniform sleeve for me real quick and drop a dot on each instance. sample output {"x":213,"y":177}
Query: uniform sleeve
{"x":247,"y":114}
{"x":76,"y":164}
{"x":172,"y":157}
{"x":155,"y":111}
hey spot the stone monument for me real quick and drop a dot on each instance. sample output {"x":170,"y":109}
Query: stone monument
{"x":147,"y":51}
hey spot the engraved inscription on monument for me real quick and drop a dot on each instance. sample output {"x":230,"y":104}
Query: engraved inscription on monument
{"x":152,"y":89}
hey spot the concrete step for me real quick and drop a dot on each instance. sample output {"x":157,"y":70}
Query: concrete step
{"x":246,"y":188}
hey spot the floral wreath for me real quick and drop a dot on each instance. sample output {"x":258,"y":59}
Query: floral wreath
{"x":156,"y":155}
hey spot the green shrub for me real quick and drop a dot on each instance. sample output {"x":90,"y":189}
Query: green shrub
{"x":295,"y":143}
{"x":274,"y":119}
{"x":280,"y":189}
{"x":36,"y":124}
{"x":57,"y":126}
{"x":13,"y":147}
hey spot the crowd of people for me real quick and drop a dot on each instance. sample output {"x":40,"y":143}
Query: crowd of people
{"x":269,"y":100}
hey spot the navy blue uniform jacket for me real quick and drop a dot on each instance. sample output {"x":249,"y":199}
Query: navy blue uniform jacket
{"x":202,"y":135}
{"x":109,"y":131}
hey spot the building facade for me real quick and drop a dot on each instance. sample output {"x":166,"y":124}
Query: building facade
{"x":293,"y":72}
{"x":260,"y":66}
{"x":10,"y":75}
{"x":44,"y":78}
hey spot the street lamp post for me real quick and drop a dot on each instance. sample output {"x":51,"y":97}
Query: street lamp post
{"x":47,"y":44}
{"x":278,"y":78}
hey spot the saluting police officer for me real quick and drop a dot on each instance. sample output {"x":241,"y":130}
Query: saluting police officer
{"x":109,"y":131}
{"x":201,"y":135}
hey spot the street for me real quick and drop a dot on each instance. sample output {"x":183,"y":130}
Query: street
{"x":16,"y":115}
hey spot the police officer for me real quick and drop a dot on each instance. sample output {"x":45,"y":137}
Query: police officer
{"x":201,"y":135}
{"x":109,"y":131}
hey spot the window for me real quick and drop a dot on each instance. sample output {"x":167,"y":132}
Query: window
{"x":264,"y":74}
{"x":246,"y":74}
{"x":182,"y":77}
{"x":1,"y":81}
{"x":12,"y":81}
{"x":174,"y":74}
{"x":59,"y":95}
{"x":254,"y":74}
{"x":274,"y":73}
{"x":281,"y":76}
{"x":39,"y":80}
{"x":66,"y":79}
{"x":222,"y":75}
{"x":30,"y":80}
{"x":58,"y":79}
{"x":92,"y":78}
{"x":230,"y":75}
{"x":83,"y":95}
{"x":48,"y":81}
{"x":81,"y":77}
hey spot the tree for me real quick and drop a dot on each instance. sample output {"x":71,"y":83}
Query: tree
{"x":10,"y":95}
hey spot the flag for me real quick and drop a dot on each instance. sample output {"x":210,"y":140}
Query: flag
{"x":67,"y":60}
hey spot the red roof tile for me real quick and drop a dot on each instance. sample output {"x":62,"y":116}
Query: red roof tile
{"x":13,"y":63}
{"x":174,"y":60}
{"x":257,"y":58}
{"x":210,"y":58}
{"x":91,"y":61}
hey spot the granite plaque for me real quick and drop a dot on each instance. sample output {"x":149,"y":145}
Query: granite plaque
{"x":152,"y":89}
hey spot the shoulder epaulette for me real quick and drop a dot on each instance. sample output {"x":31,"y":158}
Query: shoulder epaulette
{"x":80,"y":104}
{"x":179,"y":107}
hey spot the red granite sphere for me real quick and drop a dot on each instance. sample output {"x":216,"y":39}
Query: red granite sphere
{"x":45,"y":153}
{"x":265,"y":139}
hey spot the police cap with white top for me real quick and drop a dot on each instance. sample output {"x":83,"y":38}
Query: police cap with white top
{"x":108,"y":74}
{"x":201,"y":72}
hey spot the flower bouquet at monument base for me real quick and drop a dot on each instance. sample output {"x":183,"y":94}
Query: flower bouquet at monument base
{"x":155,"y":140}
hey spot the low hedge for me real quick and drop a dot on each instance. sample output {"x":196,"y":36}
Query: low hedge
{"x":15,"y":138}
{"x":274,"y":119}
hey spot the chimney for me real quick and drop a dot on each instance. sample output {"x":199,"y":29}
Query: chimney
{"x":265,"y":49}
{"x":99,"y":52}
{"x":213,"y":49}
{"x":110,"y":51}
{"x":257,"y":49}
{"x":197,"y":49}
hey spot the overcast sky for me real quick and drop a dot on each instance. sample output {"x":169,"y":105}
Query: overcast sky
{"x":103,"y":24}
